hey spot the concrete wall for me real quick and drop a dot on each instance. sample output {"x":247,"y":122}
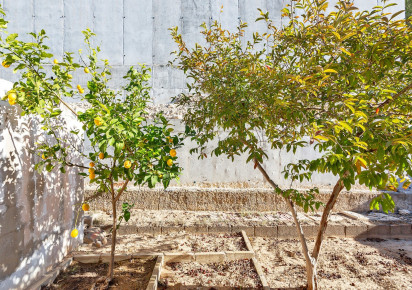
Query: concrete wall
{"x":136,"y":31}
{"x":36,"y":209}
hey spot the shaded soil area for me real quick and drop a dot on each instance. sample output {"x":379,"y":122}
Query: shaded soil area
{"x":174,"y":242}
{"x":228,"y":275}
{"x":129,"y":274}
{"x":343,"y":264}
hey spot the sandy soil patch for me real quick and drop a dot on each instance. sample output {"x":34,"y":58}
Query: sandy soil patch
{"x":174,"y":242}
{"x":343,"y":264}
{"x":239,"y":273}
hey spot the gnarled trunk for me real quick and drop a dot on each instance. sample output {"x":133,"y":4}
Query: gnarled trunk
{"x":110,"y":274}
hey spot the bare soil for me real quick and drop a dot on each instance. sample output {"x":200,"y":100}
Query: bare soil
{"x":228,"y":275}
{"x":343,"y":263}
{"x":129,"y":274}
{"x":174,"y":242}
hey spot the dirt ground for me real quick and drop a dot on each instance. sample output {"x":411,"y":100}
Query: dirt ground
{"x":174,"y":242}
{"x":343,"y":264}
{"x":239,"y":274}
{"x":130,"y":274}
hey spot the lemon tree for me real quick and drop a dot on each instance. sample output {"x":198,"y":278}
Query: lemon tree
{"x":127,"y":147}
{"x":337,"y":81}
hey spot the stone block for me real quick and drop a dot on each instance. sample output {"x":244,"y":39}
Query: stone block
{"x":249,"y":230}
{"x":171,"y":229}
{"x":87,"y":259}
{"x":179,"y":257}
{"x":287,"y":232}
{"x":215,"y":257}
{"x":266,"y":231}
{"x":403,"y":230}
{"x":379,"y":231}
{"x":105,"y":258}
{"x":335,"y":231}
{"x":239,"y":255}
{"x":356,"y":231}
{"x":196,"y":229}
{"x":149,"y":230}
{"x":310,"y":231}
{"x":247,"y":242}
{"x":127,"y":230}
{"x":219,"y":229}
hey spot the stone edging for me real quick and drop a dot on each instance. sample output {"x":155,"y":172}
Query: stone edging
{"x":403,"y":231}
{"x":259,"y":271}
{"x":157,"y":270}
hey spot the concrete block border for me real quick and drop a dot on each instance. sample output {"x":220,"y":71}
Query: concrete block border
{"x":260,"y":273}
{"x":403,"y":231}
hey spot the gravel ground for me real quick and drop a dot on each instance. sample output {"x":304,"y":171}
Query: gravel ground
{"x":343,"y":264}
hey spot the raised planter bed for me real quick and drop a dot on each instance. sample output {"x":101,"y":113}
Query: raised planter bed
{"x":221,"y":275}
{"x":84,"y":271}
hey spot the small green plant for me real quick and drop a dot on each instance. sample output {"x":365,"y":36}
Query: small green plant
{"x":339,"y":82}
{"x":127,"y":147}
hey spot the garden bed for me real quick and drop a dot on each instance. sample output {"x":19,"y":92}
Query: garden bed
{"x":129,"y":274}
{"x":224,"y":275}
{"x":344,"y":263}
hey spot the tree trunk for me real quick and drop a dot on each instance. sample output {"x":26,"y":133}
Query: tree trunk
{"x":325,"y":215}
{"x":310,"y":261}
{"x":114,"y":231}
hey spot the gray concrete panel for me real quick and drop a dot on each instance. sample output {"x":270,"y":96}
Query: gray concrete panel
{"x":365,"y":4}
{"x":108,"y":25}
{"x":167,"y":77}
{"x":78,"y":17}
{"x":138,"y":32}
{"x":228,"y":15}
{"x":194,"y":13}
{"x":20,"y":14}
{"x":274,"y":8}
{"x":166,"y":14}
{"x":49,"y":15}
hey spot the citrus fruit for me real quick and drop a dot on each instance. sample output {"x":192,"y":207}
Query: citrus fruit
{"x":5,"y":64}
{"x":86,"y":70}
{"x":173,"y":153}
{"x":101,"y":155}
{"x":85,"y":207}
{"x":170,"y":162}
{"x":69,"y":76}
{"x":92,"y":176}
{"x":43,"y":157}
{"x":79,"y":87}
{"x":98,"y":121}
{"x":74,"y":233}
{"x":127,"y":164}
{"x":55,"y":61}
{"x":91,"y":164}
{"x":91,"y":170}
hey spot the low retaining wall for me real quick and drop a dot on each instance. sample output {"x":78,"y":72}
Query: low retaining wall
{"x":238,"y":200}
{"x":36,"y":209}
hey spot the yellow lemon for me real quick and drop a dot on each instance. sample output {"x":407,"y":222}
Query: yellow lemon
{"x":170,"y":139}
{"x":86,"y":70}
{"x":92,"y":176}
{"x":43,"y":157}
{"x":160,"y":175}
{"x":91,"y":170}
{"x":81,"y":91}
{"x":101,"y":155}
{"x":12,"y":102}
{"x":98,"y":121}
{"x":170,"y":162}
{"x":103,"y":74}
{"x":55,"y":61}
{"x":85,"y":207}
{"x":173,"y":153}
{"x":79,"y":87}
{"x":5,"y":64}
{"x":74,"y":233}
{"x":91,"y":164}
{"x":69,"y":76}
{"x":12,"y":96}
{"x":127,"y":164}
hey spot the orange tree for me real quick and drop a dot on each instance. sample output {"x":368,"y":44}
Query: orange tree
{"x":126,"y":146}
{"x":339,"y":82}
